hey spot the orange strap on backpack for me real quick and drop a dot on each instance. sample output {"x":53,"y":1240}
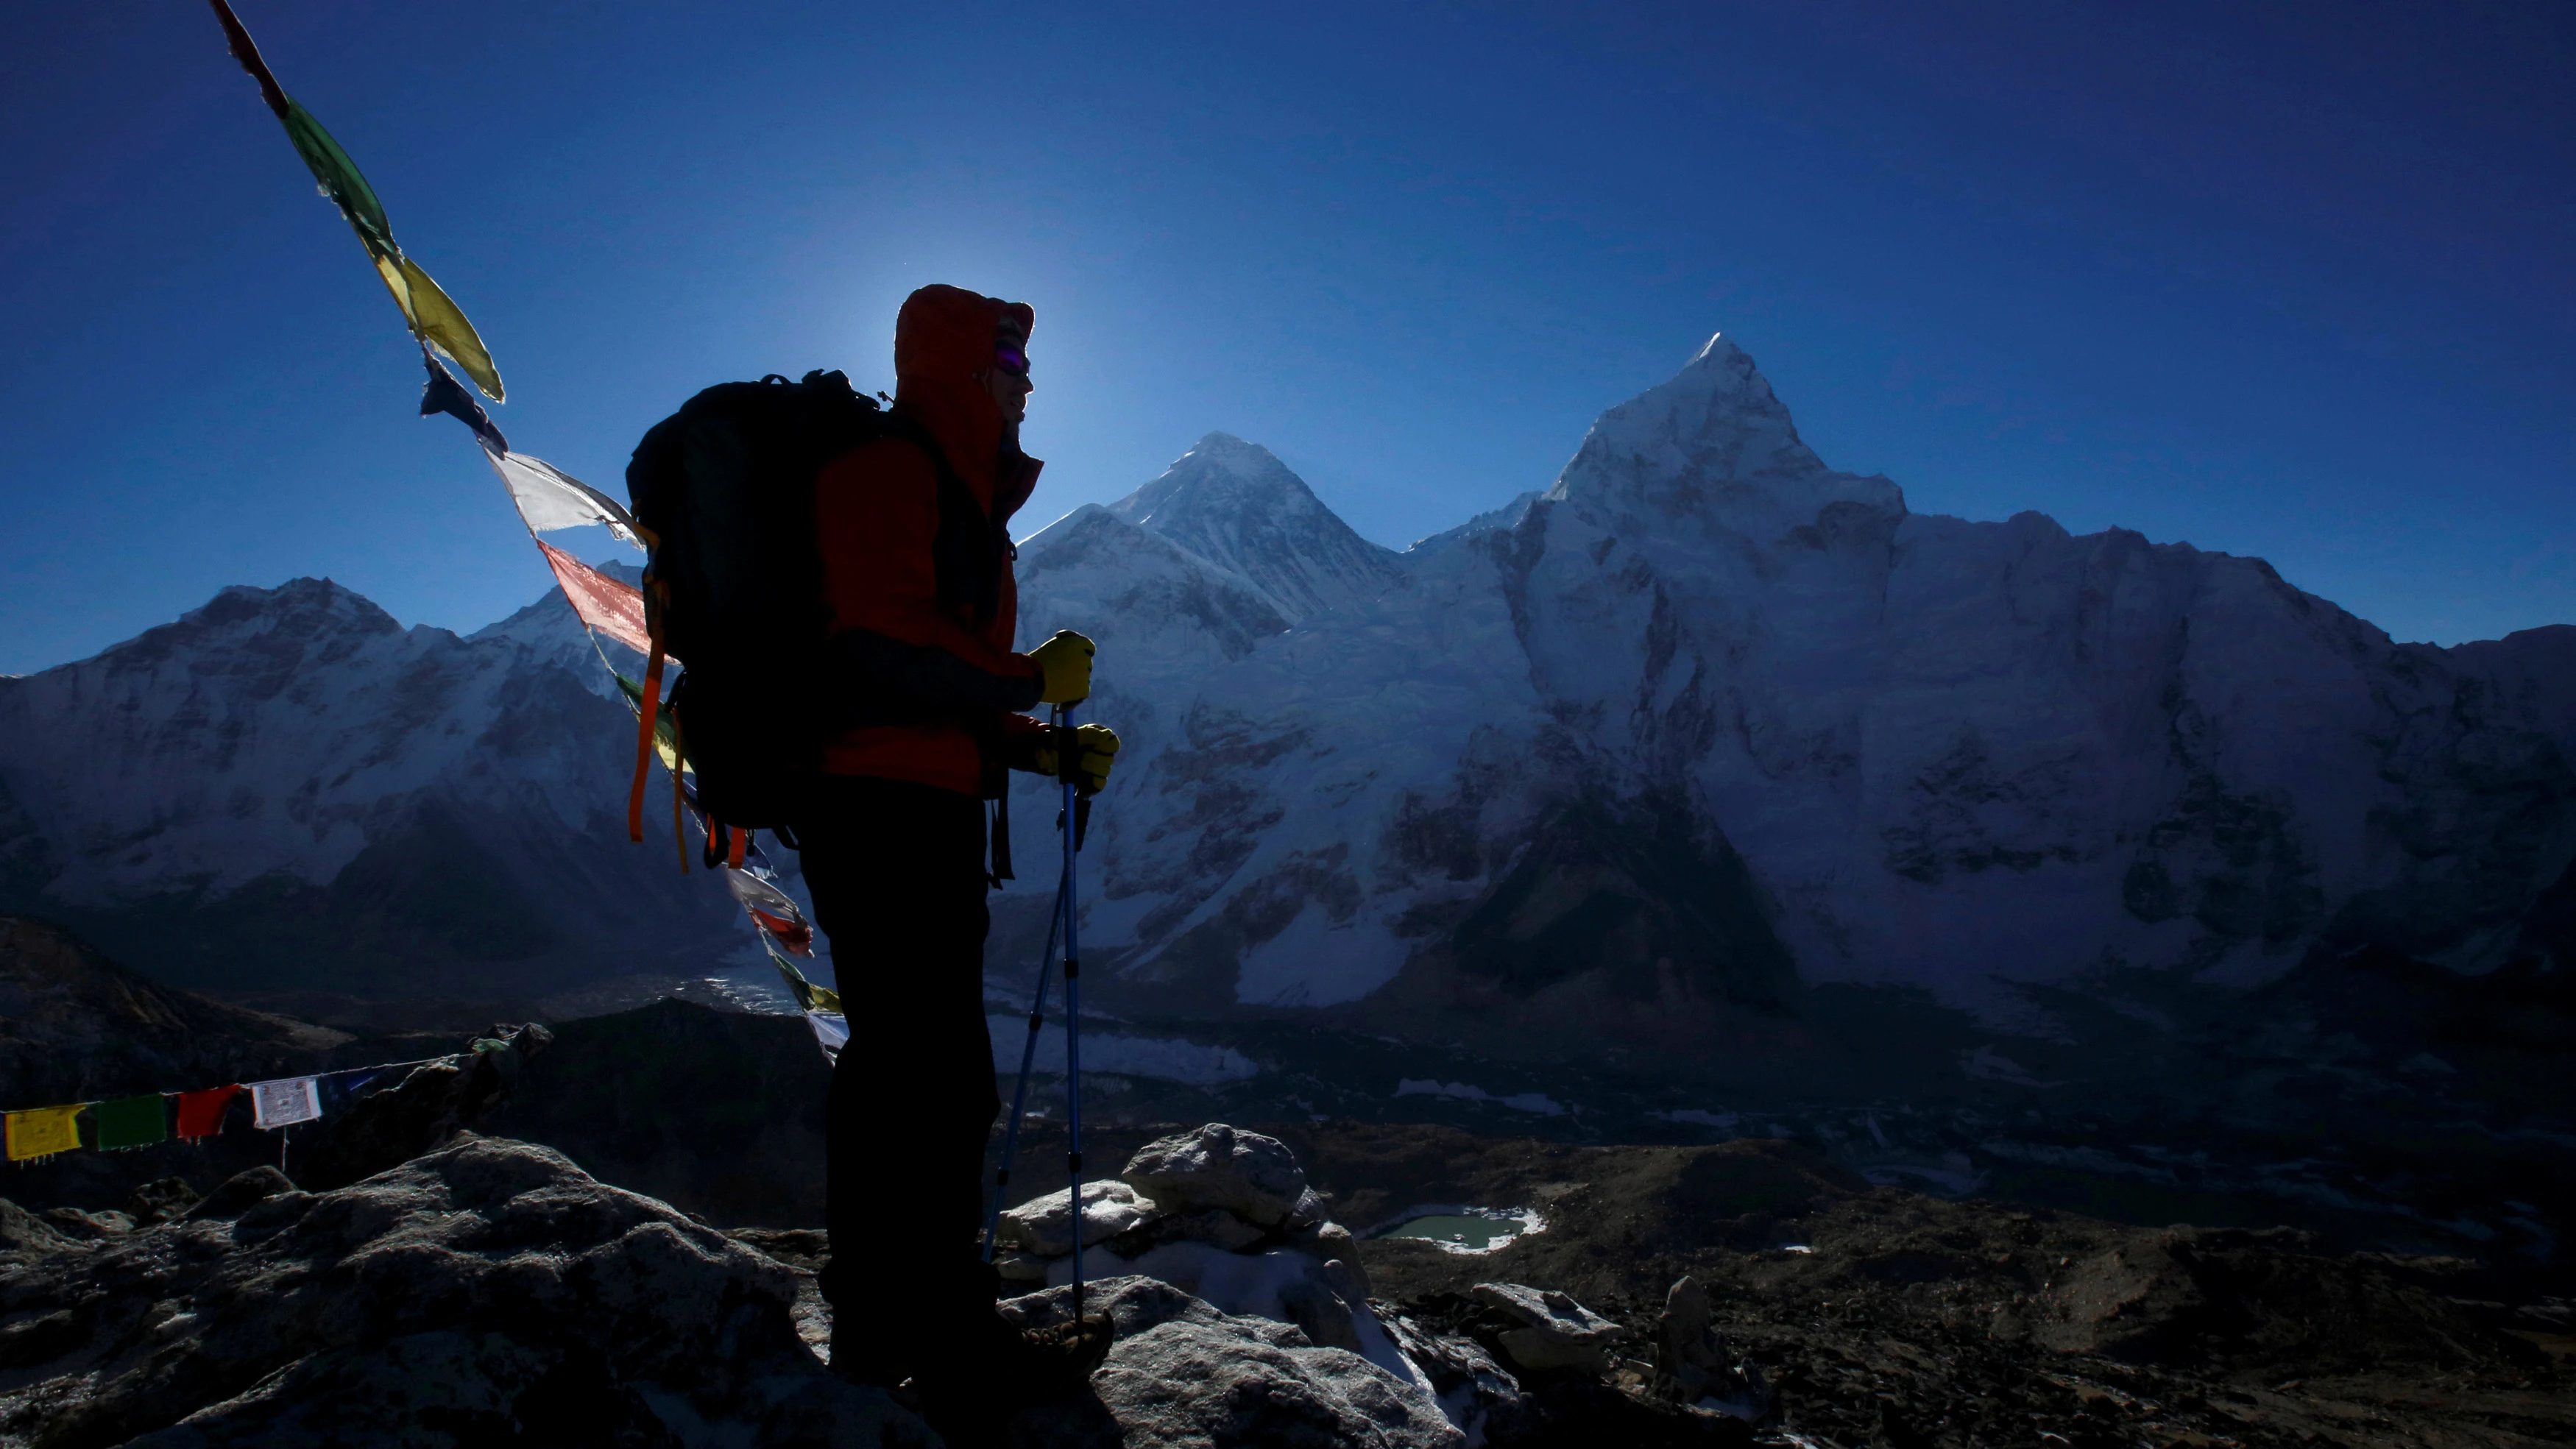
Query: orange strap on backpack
{"x":741,"y":841}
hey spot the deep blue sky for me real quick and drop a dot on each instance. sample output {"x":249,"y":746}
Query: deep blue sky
{"x":2286,"y":280}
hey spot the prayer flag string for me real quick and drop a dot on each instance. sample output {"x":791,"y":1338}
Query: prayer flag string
{"x":547,"y":499}
{"x":36,"y":1133}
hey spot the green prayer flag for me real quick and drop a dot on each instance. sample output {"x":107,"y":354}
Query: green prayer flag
{"x":133,"y":1121}
{"x":809,"y":997}
{"x":339,"y":178}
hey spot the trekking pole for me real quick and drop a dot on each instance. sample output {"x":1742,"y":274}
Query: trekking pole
{"x":1069,"y":759}
{"x":1020,"y":1094}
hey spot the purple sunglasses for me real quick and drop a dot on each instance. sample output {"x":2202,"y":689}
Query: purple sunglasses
{"x":1013,"y":360}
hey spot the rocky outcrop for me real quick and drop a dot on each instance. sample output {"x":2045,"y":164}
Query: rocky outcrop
{"x":1222,"y":1213}
{"x":488,"y":1293}
{"x":1182,"y":1375}
{"x":431,"y":1106}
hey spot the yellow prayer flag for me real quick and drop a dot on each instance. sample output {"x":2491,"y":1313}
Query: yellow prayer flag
{"x":441,"y":323}
{"x":43,"y":1131}
{"x":438,"y":321}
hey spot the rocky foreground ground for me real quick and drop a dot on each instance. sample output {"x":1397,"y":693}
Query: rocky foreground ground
{"x":491,"y":1292}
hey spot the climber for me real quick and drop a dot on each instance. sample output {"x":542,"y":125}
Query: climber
{"x":917,"y":579}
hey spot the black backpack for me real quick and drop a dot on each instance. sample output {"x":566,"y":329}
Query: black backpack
{"x":724,"y":490}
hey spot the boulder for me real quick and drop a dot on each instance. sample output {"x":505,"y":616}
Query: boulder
{"x":1333,"y":1243}
{"x":1692,"y":1365}
{"x":1044,"y":1226}
{"x":1474,"y":1393}
{"x":490,"y":1292}
{"x":1180,"y":1373}
{"x":1256,"y":1178}
{"x":1555,"y":1333}
{"x":1688,"y":1353}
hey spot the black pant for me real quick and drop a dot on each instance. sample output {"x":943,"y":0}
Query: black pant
{"x":897,"y":874}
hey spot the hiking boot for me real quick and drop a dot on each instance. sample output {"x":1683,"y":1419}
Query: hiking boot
{"x":1069,"y":1352}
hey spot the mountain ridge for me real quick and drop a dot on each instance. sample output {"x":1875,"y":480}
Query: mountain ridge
{"x":1888,"y":746}
{"x":1652,"y":754}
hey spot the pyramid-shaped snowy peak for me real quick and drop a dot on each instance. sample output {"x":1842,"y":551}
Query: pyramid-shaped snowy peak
{"x":1235,"y":505}
{"x":1712,"y":439}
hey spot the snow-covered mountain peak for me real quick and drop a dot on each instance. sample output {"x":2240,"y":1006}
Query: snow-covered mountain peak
{"x":1714,"y":439}
{"x":1235,"y":505}
{"x":301,"y":619}
{"x":299,"y":603}
{"x":1221,"y":476}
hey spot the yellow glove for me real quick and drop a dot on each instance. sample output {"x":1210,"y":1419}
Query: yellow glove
{"x":1066,"y":660}
{"x":1095,"y":750}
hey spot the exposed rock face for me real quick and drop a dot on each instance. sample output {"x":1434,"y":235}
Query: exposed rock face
{"x":1183,"y":1374}
{"x":488,"y":1293}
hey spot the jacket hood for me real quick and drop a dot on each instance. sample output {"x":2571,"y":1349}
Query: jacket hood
{"x":943,"y":341}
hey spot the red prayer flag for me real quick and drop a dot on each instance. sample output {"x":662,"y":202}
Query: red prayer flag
{"x":201,"y":1114}
{"x":607,"y":606}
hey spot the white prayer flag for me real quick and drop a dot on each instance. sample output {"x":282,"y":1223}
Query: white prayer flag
{"x":549,"y":498}
{"x":286,"y":1101}
{"x":831,"y":1033}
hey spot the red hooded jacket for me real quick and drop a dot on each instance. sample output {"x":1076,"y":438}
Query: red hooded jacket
{"x":920,"y":618}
